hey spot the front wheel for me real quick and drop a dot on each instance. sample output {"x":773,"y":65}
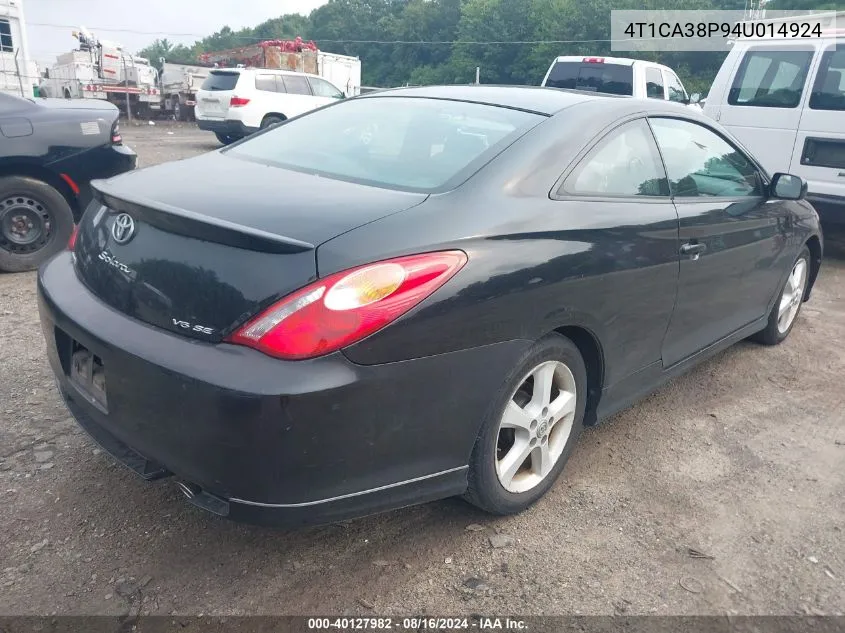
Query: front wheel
{"x":785,"y":311}
{"x":531,"y":429}
{"x":35,"y":223}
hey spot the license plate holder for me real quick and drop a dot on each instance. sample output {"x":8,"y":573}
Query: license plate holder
{"x":88,"y":376}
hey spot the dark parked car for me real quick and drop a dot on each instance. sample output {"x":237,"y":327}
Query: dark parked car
{"x":430,"y":297}
{"x":50,"y":149}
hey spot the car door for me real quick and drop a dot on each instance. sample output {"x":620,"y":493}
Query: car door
{"x":298,"y":98}
{"x":324,"y":91}
{"x":730,"y":235}
{"x":618,"y":195}
{"x":819,"y":154}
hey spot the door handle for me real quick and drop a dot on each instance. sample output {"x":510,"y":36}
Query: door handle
{"x":693,"y":249}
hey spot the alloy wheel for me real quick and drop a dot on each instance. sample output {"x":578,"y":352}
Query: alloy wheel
{"x":535,"y":426}
{"x":793,"y":294}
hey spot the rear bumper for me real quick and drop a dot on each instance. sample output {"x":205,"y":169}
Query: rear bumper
{"x":266,"y":441}
{"x":831,"y":209}
{"x":229,"y":127}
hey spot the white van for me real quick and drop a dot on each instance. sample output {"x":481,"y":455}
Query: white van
{"x":235,"y":102}
{"x":619,"y":76}
{"x":785,"y":101}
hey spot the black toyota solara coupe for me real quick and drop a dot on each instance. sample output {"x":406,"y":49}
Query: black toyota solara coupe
{"x":415,"y":294}
{"x":50,"y":150}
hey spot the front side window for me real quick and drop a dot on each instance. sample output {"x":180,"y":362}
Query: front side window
{"x":829,"y":89}
{"x":323,"y":88}
{"x":624,"y":163}
{"x":654,"y":83}
{"x":405,"y":143}
{"x":676,"y":89}
{"x":770,"y":79}
{"x":6,"y":37}
{"x":296,"y":84}
{"x":700,"y":163}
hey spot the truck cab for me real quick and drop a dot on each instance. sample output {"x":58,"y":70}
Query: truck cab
{"x":619,"y":76}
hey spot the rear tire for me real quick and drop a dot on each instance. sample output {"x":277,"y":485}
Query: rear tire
{"x":270,"y":120}
{"x":530,"y":431}
{"x":785,"y":312}
{"x":225,"y":138}
{"x":35,"y":223}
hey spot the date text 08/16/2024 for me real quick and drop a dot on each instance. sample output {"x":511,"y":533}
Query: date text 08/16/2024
{"x":416,"y":624}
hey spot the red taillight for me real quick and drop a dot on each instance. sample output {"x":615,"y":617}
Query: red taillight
{"x":593,"y":60}
{"x":237,"y":102}
{"x":116,"y":138}
{"x":71,"y":243}
{"x":343,"y":308}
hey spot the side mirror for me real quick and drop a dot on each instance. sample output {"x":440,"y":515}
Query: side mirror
{"x":695,"y":97}
{"x":788,"y":187}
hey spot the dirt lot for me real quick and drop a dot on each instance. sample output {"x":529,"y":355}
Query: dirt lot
{"x":743,"y":460}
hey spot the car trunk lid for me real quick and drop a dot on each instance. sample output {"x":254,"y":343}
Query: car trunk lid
{"x":216,"y":92}
{"x":219,"y":239}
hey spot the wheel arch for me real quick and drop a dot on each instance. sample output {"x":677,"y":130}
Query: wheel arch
{"x":38,"y":172}
{"x":273,"y":114}
{"x":815,"y":246}
{"x":591,"y":351}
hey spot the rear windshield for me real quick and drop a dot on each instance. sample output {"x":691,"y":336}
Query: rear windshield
{"x":220,"y":80}
{"x":615,"y":79}
{"x":414,"y":144}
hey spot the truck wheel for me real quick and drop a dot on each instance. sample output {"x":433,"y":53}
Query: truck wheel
{"x":35,"y":223}
{"x":224,"y":138}
{"x":179,"y":112}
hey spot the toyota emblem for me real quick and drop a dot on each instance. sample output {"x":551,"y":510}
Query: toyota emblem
{"x":123,"y":228}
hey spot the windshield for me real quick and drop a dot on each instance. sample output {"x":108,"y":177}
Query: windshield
{"x":406,"y":143}
{"x":616,"y":79}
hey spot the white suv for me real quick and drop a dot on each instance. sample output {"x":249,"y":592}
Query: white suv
{"x":235,"y":102}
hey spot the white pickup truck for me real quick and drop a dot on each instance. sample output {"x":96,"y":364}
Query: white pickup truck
{"x":619,"y":76}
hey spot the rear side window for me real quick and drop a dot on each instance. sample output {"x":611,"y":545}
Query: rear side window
{"x":616,"y":79}
{"x":770,"y":79}
{"x":654,"y":83}
{"x":296,"y":84}
{"x":625,"y":163}
{"x":829,"y":89}
{"x":220,"y":80}
{"x":266,"y":83}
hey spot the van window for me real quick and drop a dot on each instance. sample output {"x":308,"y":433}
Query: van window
{"x":6,"y":37}
{"x":220,"y":80}
{"x":296,"y":84}
{"x":616,"y":79}
{"x":770,"y":79}
{"x":654,"y":83}
{"x":829,"y":89}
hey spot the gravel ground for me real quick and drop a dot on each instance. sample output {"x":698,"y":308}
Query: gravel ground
{"x":742,"y":460}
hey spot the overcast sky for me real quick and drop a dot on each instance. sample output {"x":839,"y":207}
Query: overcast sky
{"x":108,"y":19}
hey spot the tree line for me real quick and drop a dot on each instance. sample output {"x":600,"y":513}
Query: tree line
{"x":421,"y":42}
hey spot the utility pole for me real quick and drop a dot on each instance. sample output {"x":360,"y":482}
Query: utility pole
{"x":126,"y":87}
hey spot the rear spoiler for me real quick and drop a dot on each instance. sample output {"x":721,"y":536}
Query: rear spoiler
{"x":196,"y":225}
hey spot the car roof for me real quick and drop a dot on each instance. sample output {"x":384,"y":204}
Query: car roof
{"x":271,"y":71}
{"x":537,"y":99}
{"x":621,"y":61}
